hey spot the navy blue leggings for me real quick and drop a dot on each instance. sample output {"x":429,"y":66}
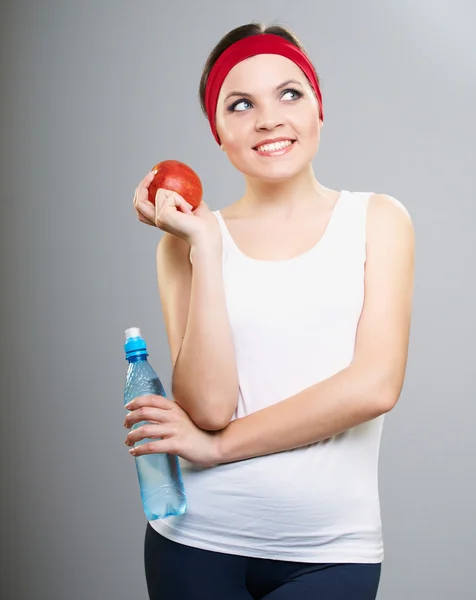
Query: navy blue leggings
{"x":177,"y":572}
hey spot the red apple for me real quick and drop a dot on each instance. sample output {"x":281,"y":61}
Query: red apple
{"x":178,"y":177}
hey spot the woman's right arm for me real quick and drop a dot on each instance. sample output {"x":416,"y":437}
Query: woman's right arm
{"x":205,"y":379}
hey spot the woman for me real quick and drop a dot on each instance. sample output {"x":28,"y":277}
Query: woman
{"x":288,"y":317}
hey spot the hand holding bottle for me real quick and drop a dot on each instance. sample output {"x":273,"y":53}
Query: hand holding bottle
{"x":160,"y":478}
{"x":177,"y":432}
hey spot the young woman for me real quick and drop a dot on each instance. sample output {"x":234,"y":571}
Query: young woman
{"x":288,"y":316}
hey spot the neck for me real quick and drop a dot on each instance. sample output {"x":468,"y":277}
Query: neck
{"x":284,"y":198}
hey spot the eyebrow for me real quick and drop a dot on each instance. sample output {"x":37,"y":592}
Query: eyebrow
{"x":279,"y":87}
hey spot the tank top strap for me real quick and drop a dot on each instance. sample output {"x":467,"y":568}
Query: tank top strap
{"x":224,"y":229}
{"x":229,"y":246}
{"x":348,"y":224}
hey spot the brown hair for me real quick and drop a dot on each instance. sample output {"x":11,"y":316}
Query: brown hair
{"x":235,"y":35}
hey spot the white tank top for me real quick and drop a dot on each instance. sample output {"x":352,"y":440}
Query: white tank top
{"x":294,"y":324}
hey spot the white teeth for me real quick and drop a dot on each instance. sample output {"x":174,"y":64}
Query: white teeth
{"x":274,"y":147}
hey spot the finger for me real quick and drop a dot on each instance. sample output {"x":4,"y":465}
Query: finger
{"x":148,"y":431}
{"x":162,"y":446}
{"x":142,"y":190}
{"x":189,"y":206}
{"x":144,"y":183}
{"x":180,"y":202}
{"x":144,"y":220}
{"x":185,"y":206}
{"x":147,"y":413}
{"x":169,"y":198}
{"x":165,"y":198}
{"x":144,"y":211}
{"x":134,"y":201}
{"x":148,"y":179}
{"x":151,"y":400}
{"x":147,"y":210}
{"x":167,"y":205}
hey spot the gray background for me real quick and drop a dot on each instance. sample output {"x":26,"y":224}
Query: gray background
{"x":96,"y":92}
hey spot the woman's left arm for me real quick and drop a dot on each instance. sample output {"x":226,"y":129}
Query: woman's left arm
{"x":371,"y":384}
{"x":367,"y":388}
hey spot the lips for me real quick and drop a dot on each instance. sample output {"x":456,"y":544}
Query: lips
{"x":274,"y":141}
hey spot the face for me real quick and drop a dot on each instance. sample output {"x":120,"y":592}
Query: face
{"x":268,"y":97}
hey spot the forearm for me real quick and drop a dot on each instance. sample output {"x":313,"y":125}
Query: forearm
{"x":205,"y":380}
{"x":349,"y":398}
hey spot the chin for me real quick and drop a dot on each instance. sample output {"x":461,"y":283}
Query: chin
{"x":267,"y":172}
{"x":279,"y":172}
{"x":278,"y":177}
{"x":274,"y":170}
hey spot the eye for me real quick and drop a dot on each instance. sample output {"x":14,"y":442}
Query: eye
{"x":235,"y":105}
{"x":240,"y":105}
{"x":296,"y":93}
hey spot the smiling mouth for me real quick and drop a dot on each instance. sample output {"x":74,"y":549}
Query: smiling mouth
{"x":274,"y":147}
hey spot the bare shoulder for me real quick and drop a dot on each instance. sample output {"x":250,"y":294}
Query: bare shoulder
{"x":386,"y":207}
{"x":387,"y":216}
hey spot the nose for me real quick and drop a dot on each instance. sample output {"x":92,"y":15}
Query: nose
{"x":268,"y":119}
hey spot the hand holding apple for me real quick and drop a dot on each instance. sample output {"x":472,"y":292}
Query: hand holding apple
{"x":170,"y":198}
{"x":177,"y":177}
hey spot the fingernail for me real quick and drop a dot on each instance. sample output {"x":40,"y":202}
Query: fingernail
{"x":128,"y":405}
{"x":132,"y":450}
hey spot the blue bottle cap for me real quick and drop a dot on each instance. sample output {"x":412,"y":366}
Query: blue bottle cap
{"x":135,"y":343}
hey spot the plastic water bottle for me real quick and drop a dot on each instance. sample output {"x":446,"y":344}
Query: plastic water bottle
{"x":160,"y":478}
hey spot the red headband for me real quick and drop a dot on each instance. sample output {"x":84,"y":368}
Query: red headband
{"x":265,"y":43}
